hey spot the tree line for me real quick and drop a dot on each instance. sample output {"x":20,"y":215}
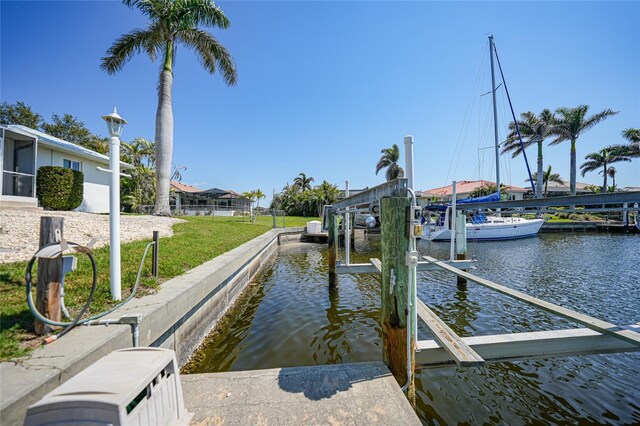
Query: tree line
{"x":568,"y":124}
{"x":301,"y":199}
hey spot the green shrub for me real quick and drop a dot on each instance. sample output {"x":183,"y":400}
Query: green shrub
{"x":77,"y":192}
{"x":58,"y":188}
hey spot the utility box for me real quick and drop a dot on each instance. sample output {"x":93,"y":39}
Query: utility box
{"x":135,"y":386}
{"x":314,"y":227}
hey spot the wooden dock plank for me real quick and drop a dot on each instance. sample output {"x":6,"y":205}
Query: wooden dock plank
{"x":461,"y":353}
{"x":586,"y":320}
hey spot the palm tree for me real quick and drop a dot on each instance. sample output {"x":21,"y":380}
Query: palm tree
{"x":389,"y":159}
{"x":632,"y":135}
{"x":569,"y":124}
{"x":326,"y":194}
{"x":172,"y":23}
{"x":611,"y":171}
{"x":303,"y":182}
{"x":136,"y":151}
{"x":603,"y":158}
{"x":534,"y":130}
{"x":548,"y":177}
{"x":258,"y":194}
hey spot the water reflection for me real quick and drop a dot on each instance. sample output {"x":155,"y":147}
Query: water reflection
{"x":290,"y":318}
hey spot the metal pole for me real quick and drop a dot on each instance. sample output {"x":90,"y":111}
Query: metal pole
{"x":114,"y":217}
{"x":495,"y":115}
{"x":346,"y":227}
{"x":452,"y":221}
{"x":154,"y":257}
{"x":408,"y":160}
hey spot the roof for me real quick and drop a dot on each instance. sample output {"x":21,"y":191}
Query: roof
{"x":465,"y":187}
{"x":62,"y":145}
{"x":558,"y":187}
{"x":183,"y":187}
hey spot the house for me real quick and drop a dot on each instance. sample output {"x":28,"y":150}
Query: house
{"x":189,"y":200}
{"x":25,"y":150}
{"x":464,"y":188}
{"x":555,"y":189}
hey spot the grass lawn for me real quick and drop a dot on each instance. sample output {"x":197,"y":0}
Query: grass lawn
{"x":198,"y":240}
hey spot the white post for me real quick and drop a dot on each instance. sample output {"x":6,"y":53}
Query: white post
{"x":452,"y":221}
{"x":346,"y":227}
{"x":625,"y":215}
{"x":408,"y":160}
{"x":114,"y":217}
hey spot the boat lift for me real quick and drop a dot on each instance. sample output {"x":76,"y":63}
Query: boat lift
{"x":402,"y":350}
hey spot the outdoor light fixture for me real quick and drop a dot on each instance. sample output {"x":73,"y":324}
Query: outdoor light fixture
{"x":115,"y":123}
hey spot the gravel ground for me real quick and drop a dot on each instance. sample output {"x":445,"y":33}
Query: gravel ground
{"x":20,"y":230}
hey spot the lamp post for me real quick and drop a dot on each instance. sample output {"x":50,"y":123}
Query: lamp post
{"x":115,"y":123}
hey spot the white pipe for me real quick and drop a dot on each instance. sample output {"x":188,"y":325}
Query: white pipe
{"x":114,"y":217}
{"x":347,"y":226}
{"x":452,"y":220}
{"x":408,"y":160}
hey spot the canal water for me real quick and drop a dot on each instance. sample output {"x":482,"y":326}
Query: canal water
{"x":288,"y":317}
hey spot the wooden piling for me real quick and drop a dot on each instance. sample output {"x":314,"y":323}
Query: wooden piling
{"x":333,"y":248}
{"x":461,"y":246}
{"x":395,"y":287}
{"x":49,"y":270}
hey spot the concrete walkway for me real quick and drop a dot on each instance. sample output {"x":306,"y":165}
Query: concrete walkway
{"x":344,"y":394}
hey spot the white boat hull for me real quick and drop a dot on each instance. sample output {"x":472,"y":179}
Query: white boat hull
{"x":494,"y":229}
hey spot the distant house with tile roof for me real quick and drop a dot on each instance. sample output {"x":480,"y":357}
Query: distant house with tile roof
{"x":191,"y":199}
{"x":464,"y":188}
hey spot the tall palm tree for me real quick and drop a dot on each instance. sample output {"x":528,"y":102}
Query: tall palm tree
{"x":548,"y":177}
{"x":389,"y":159}
{"x":173,"y":22}
{"x":569,"y":124}
{"x":303,"y":182}
{"x":534,"y":130}
{"x":611,"y":171}
{"x":603,"y":158}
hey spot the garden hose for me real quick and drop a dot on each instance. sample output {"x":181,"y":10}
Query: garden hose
{"x":77,"y":320}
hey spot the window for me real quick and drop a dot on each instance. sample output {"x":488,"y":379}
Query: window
{"x":70,"y":164}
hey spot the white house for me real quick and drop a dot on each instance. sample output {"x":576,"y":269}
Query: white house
{"x":25,"y":150}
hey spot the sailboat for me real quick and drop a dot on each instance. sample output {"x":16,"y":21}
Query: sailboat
{"x":480,"y":226}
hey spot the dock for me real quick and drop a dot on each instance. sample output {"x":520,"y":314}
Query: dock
{"x":347,"y":394}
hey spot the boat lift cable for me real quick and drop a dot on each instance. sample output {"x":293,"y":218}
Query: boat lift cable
{"x":515,"y":121}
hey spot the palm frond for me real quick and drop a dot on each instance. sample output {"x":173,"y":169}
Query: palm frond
{"x":125,"y":47}
{"x":210,"y":53}
{"x":596,"y":118}
{"x":205,"y":12}
{"x":632,"y":135}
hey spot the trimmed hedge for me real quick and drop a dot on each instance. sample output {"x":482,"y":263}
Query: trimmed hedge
{"x":58,"y":188}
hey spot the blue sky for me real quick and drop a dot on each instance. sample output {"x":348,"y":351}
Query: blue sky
{"x":324,"y":86}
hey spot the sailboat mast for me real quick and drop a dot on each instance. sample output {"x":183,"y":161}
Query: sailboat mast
{"x":495,"y":116}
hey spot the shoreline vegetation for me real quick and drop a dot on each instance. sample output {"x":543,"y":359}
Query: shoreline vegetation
{"x":194,"y":242}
